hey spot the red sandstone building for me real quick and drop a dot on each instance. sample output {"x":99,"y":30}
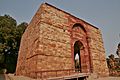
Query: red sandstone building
{"x":51,"y":41}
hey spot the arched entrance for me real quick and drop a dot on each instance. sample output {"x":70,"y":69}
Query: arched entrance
{"x":77,"y":58}
{"x":80,"y":48}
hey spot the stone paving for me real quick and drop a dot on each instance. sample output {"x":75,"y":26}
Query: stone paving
{"x":12,"y":77}
{"x":96,"y":77}
{"x":106,"y":78}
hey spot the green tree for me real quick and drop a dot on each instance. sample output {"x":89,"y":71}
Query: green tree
{"x":118,"y":50}
{"x":10,"y":36}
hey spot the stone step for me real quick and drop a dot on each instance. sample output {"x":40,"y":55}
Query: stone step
{"x":73,"y":76}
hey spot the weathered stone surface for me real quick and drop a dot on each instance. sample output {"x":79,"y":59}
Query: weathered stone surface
{"x":47,"y":46}
{"x":97,"y":52}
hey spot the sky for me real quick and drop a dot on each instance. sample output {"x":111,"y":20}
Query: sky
{"x":104,"y":14}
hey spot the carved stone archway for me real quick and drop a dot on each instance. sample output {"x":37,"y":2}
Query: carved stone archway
{"x":79,"y":40}
{"x":78,"y":46}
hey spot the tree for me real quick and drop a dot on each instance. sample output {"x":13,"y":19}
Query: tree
{"x":118,"y":50}
{"x":10,"y":36}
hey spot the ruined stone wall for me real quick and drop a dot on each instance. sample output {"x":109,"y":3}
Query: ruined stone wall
{"x":22,"y":57}
{"x":27,"y":61}
{"x":55,"y":42}
{"x":47,"y":45}
{"x":97,"y":51}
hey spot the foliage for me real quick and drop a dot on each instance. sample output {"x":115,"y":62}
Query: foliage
{"x":10,"y":35}
{"x":118,"y":50}
{"x":111,"y":56}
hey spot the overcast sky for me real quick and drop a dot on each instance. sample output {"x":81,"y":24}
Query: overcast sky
{"x":104,"y":14}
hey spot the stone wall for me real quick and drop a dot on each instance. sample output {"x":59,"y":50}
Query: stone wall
{"x":29,"y":43}
{"x":97,"y":51}
{"x":48,"y":45}
{"x":55,"y":41}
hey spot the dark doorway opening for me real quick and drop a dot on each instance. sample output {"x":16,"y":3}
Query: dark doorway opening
{"x":77,"y":59}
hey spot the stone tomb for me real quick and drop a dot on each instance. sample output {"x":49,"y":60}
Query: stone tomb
{"x":51,"y":41}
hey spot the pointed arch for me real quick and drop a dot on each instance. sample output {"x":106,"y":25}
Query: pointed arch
{"x":80,"y":26}
{"x":77,"y":47}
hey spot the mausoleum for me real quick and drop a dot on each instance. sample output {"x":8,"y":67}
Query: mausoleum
{"x":53,"y":39}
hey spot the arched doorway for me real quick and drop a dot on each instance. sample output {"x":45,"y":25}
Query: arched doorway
{"x":77,"y":58}
{"x":80,"y":48}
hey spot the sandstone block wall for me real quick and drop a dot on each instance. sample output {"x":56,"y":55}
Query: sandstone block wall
{"x":97,"y":51}
{"x":48,"y":45}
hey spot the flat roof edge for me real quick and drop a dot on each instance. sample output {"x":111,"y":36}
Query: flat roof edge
{"x":70,"y":15}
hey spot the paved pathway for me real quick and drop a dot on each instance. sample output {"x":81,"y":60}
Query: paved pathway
{"x":12,"y":77}
{"x":109,"y":78}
